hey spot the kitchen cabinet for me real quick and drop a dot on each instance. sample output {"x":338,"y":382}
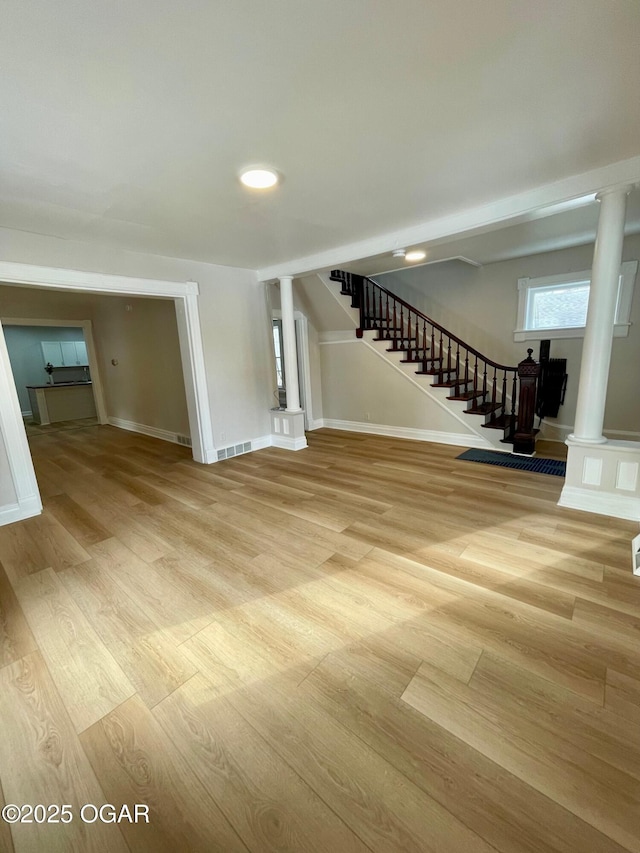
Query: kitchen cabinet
{"x":65,"y":353}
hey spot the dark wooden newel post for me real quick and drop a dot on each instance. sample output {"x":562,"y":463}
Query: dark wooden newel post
{"x":524,"y":439}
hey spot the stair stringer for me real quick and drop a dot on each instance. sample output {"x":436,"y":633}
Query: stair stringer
{"x":335,"y":289}
{"x":454,"y":408}
{"x":482,"y":438}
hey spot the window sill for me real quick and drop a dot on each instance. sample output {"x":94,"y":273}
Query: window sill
{"x":620,"y":330}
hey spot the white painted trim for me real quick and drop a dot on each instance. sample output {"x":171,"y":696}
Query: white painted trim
{"x":94,"y":369}
{"x":431,"y":435}
{"x":635,"y":555}
{"x":620,"y":330}
{"x":602,"y":503}
{"x":261,"y":442}
{"x":626,"y":435}
{"x":626,"y":284}
{"x":154,"y":432}
{"x":27,"y":414}
{"x":302,"y":343}
{"x":317,"y":424}
{"x":56,"y":278}
{"x":195,"y":379}
{"x":14,"y":436}
{"x":18,"y":512}
{"x":564,"y":194}
{"x":288,"y":442}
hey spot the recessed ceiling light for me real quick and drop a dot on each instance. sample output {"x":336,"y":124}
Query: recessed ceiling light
{"x":398,"y":253}
{"x":259,"y":179}
{"x":415,"y":255}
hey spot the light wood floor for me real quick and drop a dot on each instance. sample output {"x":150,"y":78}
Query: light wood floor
{"x":363,"y":646}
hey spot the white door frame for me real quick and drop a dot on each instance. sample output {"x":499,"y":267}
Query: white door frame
{"x":185,"y":297}
{"x":94,"y":370}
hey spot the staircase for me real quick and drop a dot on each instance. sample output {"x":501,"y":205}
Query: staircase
{"x":503,"y":396}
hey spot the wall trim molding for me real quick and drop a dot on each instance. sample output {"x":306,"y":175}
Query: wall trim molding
{"x":18,"y":512}
{"x":58,"y":277}
{"x":434,"y":436}
{"x":560,"y":432}
{"x":288,"y":442}
{"x":262,"y":442}
{"x":144,"y":429}
{"x":602,"y":503}
{"x":317,"y":424}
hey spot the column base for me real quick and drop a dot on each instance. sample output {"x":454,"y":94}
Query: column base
{"x":579,"y":440}
{"x":603,"y":478}
{"x":287,"y":430}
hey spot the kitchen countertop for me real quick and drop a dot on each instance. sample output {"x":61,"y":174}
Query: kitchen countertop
{"x":59,"y":385}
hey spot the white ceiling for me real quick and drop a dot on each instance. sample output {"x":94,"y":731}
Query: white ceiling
{"x":126,"y":124}
{"x":545,"y":233}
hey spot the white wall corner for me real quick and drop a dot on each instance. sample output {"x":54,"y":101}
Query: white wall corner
{"x":261,"y":442}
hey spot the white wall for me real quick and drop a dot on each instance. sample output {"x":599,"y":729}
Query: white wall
{"x":146,"y":385}
{"x":480,"y":305}
{"x":232,"y":313}
{"x":360,"y":387}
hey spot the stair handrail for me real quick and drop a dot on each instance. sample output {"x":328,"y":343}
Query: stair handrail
{"x":340,"y":275}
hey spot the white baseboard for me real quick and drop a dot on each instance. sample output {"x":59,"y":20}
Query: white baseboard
{"x":154,"y":432}
{"x":288,"y":443}
{"x":622,"y":435}
{"x":315,"y":424}
{"x":458,"y":439}
{"x":18,"y":512}
{"x":560,"y":432}
{"x":261,"y":442}
{"x":602,"y":503}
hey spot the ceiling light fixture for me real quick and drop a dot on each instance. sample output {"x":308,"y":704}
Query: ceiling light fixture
{"x":398,"y":253}
{"x":259,"y":178}
{"x":415,"y":255}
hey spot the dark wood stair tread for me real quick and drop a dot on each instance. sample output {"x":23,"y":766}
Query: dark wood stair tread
{"x":436,"y":371}
{"x":450,"y":383}
{"x":466,"y":395}
{"x":502,"y":422}
{"x":483,"y":409}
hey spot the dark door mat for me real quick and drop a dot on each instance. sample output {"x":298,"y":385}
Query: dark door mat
{"x":556,"y":467}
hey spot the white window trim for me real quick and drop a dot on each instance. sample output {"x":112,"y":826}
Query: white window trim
{"x":628,"y":272}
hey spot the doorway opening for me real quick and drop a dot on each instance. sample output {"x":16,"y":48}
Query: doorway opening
{"x":13,"y":439}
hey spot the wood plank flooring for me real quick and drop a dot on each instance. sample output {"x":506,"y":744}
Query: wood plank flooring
{"x":363,"y":646}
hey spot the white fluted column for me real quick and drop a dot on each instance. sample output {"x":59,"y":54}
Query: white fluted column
{"x":289,"y":344}
{"x":598,"y":336}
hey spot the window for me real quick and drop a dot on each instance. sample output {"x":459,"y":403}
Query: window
{"x":556,"y":306}
{"x":277,"y":345}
